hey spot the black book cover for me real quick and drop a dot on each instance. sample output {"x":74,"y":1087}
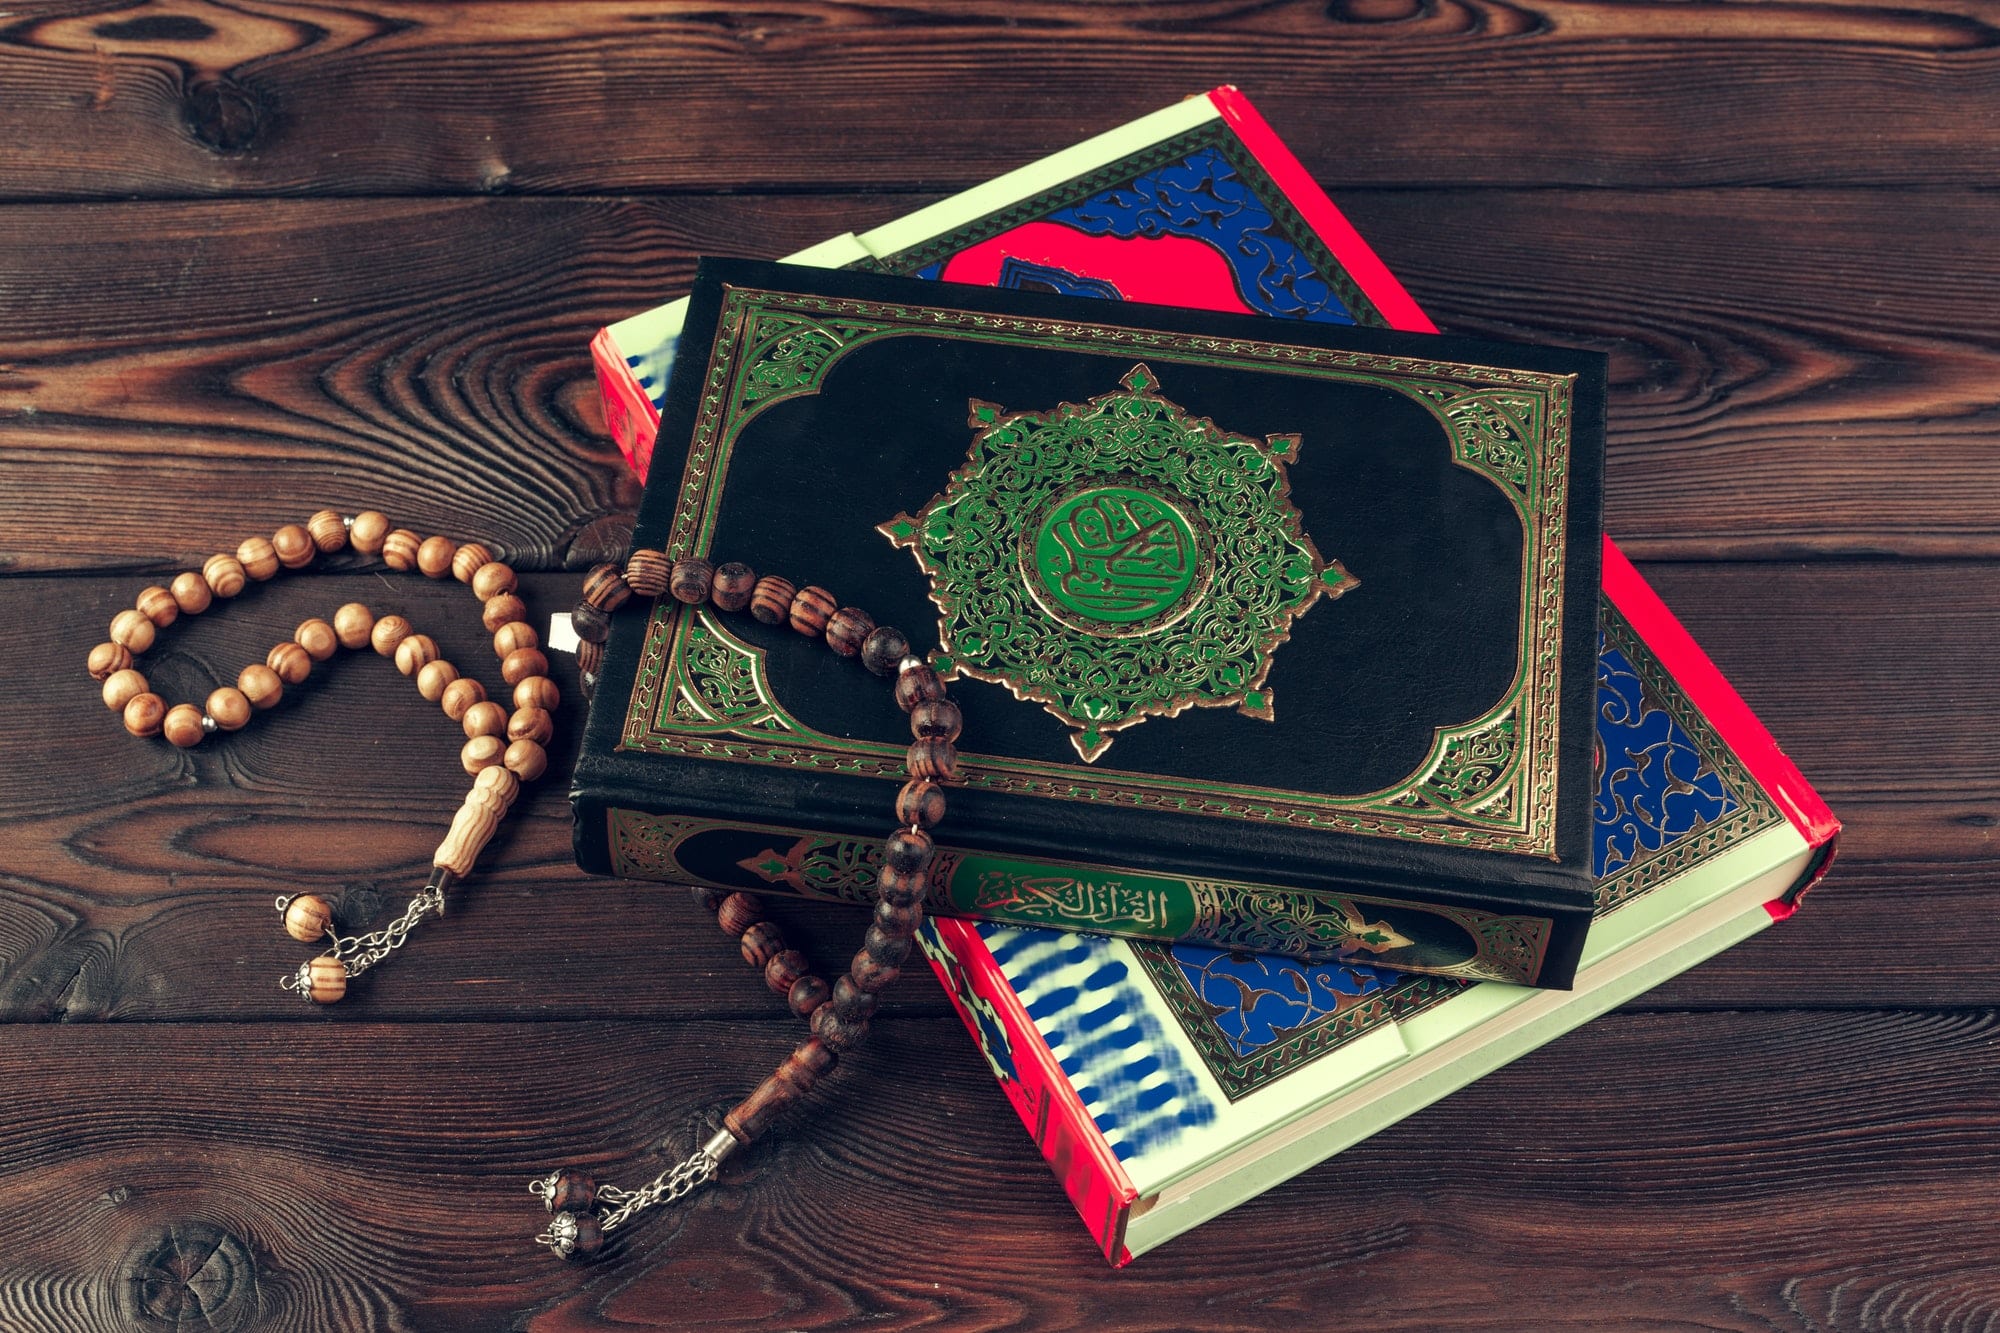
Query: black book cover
{"x":1272,"y":637}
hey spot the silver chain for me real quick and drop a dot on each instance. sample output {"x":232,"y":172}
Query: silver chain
{"x":358,"y":953}
{"x":666,"y":1187}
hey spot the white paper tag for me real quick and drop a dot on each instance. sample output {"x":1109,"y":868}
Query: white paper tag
{"x":562,"y":635}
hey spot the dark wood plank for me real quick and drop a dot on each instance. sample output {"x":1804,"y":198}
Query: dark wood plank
{"x":1739,"y":1171}
{"x":398,"y":96}
{"x":179,"y":375}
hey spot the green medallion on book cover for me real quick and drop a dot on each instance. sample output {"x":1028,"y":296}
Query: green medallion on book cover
{"x":1117,"y":560}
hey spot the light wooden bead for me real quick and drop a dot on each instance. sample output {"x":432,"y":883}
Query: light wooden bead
{"x":482,"y":752}
{"x":526,"y":760}
{"x":144,"y":713}
{"x":415,"y":652}
{"x":522,"y":663}
{"x":158,"y":605}
{"x":533,"y":724}
{"x":182,"y":726}
{"x":491,"y":579}
{"x":459,"y":696}
{"x":485,"y":718}
{"x":326,"y":980}
{"x":292,"y":663}
{"x":133,"y":630}
{"x":329,"y":533}
{"x":224,"y":575}
{"x":514,"y":635}
{"x":502,"y":609}
{"x":370,"y":530}
{"x":260,"y":685}
{"x":399,"y":549}
{"x":537,"y":692}
{"x":230,"y":707}
{"x":388,"y":632}
{"x":307,"y":917}
{"x":468,"y":560}
{"x":191,"y":593}
{"x":317,"y":638}
{"x":258,"y":558}
{"x":353,"y":625}
{"x":295,"y":546}
{"x":435,"y":555}
{"x":434,"y":678}
{"x":107,"y":659}
{"x":121,"y":687}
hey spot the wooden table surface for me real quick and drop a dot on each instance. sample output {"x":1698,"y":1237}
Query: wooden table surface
{"x":258,"y":258}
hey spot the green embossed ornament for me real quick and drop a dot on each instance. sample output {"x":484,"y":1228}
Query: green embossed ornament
{"x":1117,"y":560}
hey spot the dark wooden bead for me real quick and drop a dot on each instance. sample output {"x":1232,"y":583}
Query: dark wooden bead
{"x":761,"y":943}
{"x":808,"y":1063}
{"x":783,"y":970}
{"x":589,"y":659}
{"x":907,"y":850}
{"x":847,"y":629}
{"x":901,"y":887}
{"x":887,"y":949}
{"x":841,"y":1035}
{"x":707,"y":899}
{"x":808,"y":993}
{"x":884,"y":650}
{"x":920,"y":802}
{"x":771,"y":599}
{"x":852,"y":1003}
{"x":591,"y":625}
{"x":605,"y":588}
{"x":585,"y":1235}
{"x":648,"y":572}
{"x":900,"y":919}
{"x":936,"y":717}
{"x":932,"y":758}
{"x":689,"y":582}
{"x":917,"y":685}
{"x":571,"y":1192}
{"x":732,"y":585}
{"x":739,"y":912}
{"x":871,"y":975}
{"x":811,"y":609}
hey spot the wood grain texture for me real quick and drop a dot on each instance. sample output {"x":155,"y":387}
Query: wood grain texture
{"x":197,"y":97}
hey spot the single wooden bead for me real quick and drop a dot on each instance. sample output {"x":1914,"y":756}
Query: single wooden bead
{"x":460,"y":695}
{"x":415,"y":652}
{"x":526,"y":759}
{"x":485,"y":719}
{"x":732,"y":585}
{"x":708,"y":899}
{"x":158,"y":605}
{"x":326,"y":980}
{"x":648,"y":573}
{"x":898,"y":920}
{"x":739,"y":912}
{"x":771,"y":599}
{"x":847,"y":629}
{"x":229,"y":706}
{"x":605,"y":588}
{"x":884,"y":650}
{"x":258,"y":558}
{"x":921,"y":802}
{"x":917,"y":685}
{"x":887,"y":949}
{"x":870,"y":975}
{"x":388,"y":632}
{"x":907,"y":850}
{"x":491,"y":579}
{"x":434,"y":678}
{"x":370,"y":530}
{"x":354,"y":625}
{"x":851,"y":1002}
{"x":591,"y":625}
{"x":329,"y":531}
{"x":932,"y":758}
{"x":106,"y":659}
{"x":901,"y":887}
{"x":808,"y":993}
{"x":182,"y":726}
{"x":468,"y":560}
{"x":581,"y":1235}
{"x":133,"y":630}
{"x":522,"y":663}
{"x":399,"y":549}
{"x":537,"y":692}
{"x":306,"y":917}
{"x":532,"y":724}
{"x":144,"y":713}
{"x":589,"y":657}
{"x":294,"y":546}
{"x":936,"y":717}
{"x":783,"y":969}
{"x":512,"y":635}
{"x":761,"y":943}
{"x":690,"y":580}
{"x":482,"y":752}
{"x":841,"y":1035}
{"x":292,"y":663}
{"x":571,"y":1192}
{"x":811,"y":609}
{"x":224,"y":575}
{"x":191,"y":592}
{"x":502,"y":609}
{"x":434,"y":557}
{"x":260,"y":685}
{"x":317,"y":638}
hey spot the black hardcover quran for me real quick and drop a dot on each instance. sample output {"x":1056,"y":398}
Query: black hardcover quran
{"x":1277,"y":637}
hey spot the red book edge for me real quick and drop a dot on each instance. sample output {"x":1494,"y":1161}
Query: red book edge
{"x":628,"y":415}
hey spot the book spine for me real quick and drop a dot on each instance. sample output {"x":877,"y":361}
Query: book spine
{"x":628,"y":413}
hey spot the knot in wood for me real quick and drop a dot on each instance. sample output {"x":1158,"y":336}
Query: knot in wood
{"x":222,"y":115}
{"x":190,"y":1275}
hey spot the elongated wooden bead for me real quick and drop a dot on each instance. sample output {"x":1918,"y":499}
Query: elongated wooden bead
{"x":158,"y":605}
{"x":292,"y":663}
{"x":884,"y":650}
{"x":107,"y":659}
{"x":370,"y":530}
{"x":513,"y":635}
{"x":329,"y":532}
{"x":485,"y":719}
{"x":326,"y":980}
{"x":921,"y":802}
{"x":399,"y":549}
{"x":191,"y":592}
{"x":468,"y":560}
{"x":783,"y":970}
{"x":260,"y":685}
{"x":493,"y":578}
{"x":648,"y":572}
{"x":388,"y":632}
{"x":917,"y":685}
{"x":493,"y":791}
{"x":224,"y":575}
{"x":481,"y":752}
{"x":533,"y":724}
{"x":415,"y":652}
{"x":354,"y":625}
{"x":434,"y":678}
{"x":306,"y":917}
{"x":133,"y":630}
{"x":789,"y":1082}
{"x":739,"y":912}
{"x":732,"y":585}
{"x":502,"y":609}
{"x":930,"y":757}
{"x":434,"y":557}
{"x":319,"y":639}
{"x":847,"y":629}
{"x":690,"y":580}
{"x":537,"y":692}
{"x":808,"y":993}
{"x":522,"y":663}
{"x":771,"y":599}
{"x":258,"y":558}
{"x":811,"y":609}
{"x":294,"y":546}
{"x":182,"y":726}
{"x":144,"y":713}
{"x":605,"y":588}
{"x":460,"y":695}
{"x":526,"y":759}
{"x":229,"y":706}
